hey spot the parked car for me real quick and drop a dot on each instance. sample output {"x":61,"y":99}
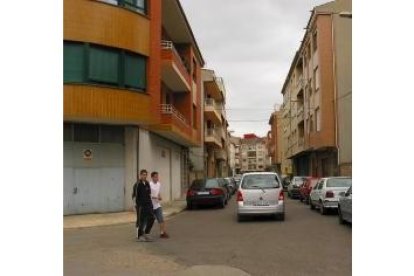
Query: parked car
{"x":260,"y":193}
{"x":285,"y":182}
{"x":306,"y":188}
{"x":345,"y":206}
{"x":210,"y":191}
{"x":325,"y":195}
{"x":293,"y":188}
{"x":227,"y":185}
{"x":232,"y":185}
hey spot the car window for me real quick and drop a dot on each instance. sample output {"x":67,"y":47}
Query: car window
{"x":261,"y":181}
{"x":212,"y":183}
{"x":339,"y":182}
{"x":320,"y":185}
{"x":349,"y":192}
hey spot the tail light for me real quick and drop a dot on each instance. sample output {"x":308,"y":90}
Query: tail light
{"x":190,"y":193}
{"x":329,"y":194}
{"x":239,"y":196}
{"x":216,"y":191}
{"x":281,"y":195}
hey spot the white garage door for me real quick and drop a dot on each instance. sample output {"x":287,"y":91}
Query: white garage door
{"x":93,"y":169}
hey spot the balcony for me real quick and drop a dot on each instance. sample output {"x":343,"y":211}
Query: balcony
{"x":214,"y":88}
{"x":220,"y":154}
{"x":212,"y":111}
{"x":174,"y":73}
{"x":175,"y":127}
{"x":212,"y":138}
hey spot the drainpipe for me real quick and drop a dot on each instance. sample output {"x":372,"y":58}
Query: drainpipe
{"x":335,"y":91}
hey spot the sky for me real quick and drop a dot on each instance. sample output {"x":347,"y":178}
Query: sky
{"x":251,"y":45}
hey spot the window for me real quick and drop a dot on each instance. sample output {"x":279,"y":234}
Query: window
{"x":85,"y":63}
{"x":91,"y":133}
{"x":311,"y":124}
{"x":315,"y":41}
{"x":339,"y":182}
{"x":134,"y":5}
{"x":86,"y":133}
{"x":260,"y":181}
{"x":135,"y":69}
{"x":194,"y":70}
{"x":194,"y":116}
{"x":112,"y":134}
{"x":73,"y":59}
{"x":316,"y":78}
{"x":318,"y":119}
{"x":103,"y":65}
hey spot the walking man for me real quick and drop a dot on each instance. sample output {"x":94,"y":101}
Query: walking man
{"x":156,"y":198}
{"x":145,"y":214}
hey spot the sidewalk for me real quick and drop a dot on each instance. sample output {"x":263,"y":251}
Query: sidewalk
{"x":92,"y":220}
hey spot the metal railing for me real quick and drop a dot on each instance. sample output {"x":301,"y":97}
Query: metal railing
{"x":169,"y":45}
{"x":213,"y":103}
{"x":170,"y":109}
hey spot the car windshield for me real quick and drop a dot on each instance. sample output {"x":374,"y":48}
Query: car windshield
{"x":339,"y":182}
{"x":298,"y":181}
{"x":260,"y":181}
{"x":204,"y":183}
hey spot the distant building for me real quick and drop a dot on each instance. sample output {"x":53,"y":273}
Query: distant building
{"x":254,"y":154}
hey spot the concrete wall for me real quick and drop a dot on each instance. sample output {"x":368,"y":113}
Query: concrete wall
{"x":343,"y":58}
{"x":131,"y":164}
{"x":163,"y":156}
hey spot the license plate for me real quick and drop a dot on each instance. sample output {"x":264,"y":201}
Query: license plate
{"x":203,"y":193}
{"x":263,"y":203}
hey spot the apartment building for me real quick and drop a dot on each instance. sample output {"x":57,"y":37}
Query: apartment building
{"x":310,"y":95}
{"x":132,"y":100}
{"x":215,"y":125}
{"x":254,"y":155}
{"x":236,"y":154}
{"x":275,"y":141}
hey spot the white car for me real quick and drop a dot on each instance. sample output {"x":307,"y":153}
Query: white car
{"x":325,"y":194}
{"x":345,"y":206}
{"x":260,"y":193}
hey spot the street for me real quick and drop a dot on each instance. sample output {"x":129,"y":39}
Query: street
{"x":306,"y":243}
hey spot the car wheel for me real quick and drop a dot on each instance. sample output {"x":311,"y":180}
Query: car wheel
{"x":311,"y":205}
{"x":322,"y":209}
{"x":301,"y":198}
{"x":340,"y":218}
{"x":281,"y":217}
{"x":289,"y":195}
{"x":189,"y":206}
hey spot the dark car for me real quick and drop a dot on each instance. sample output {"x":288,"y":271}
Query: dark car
{"x":285,"y":182}
{"x":209,"y":191}
{"x":232,"y":185}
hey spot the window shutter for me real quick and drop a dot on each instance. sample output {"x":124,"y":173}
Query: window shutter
{"x":135,"y":71}
{"x":73,"y":62}
{"x":103,"y":65}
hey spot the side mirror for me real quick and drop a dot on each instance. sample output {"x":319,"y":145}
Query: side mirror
{"x":342,"y":194}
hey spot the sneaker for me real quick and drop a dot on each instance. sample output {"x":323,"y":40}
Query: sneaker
{"x":142,"y":239}
{"x":164,"y":235}
{"x":148,"y":238}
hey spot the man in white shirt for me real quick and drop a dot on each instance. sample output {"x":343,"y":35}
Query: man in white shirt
{"x":156,"y":198}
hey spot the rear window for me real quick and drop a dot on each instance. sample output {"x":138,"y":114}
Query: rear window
{"x":298,"y":181}
{"x":260,"y":181}
{"x":205,"y":183}
{"x":339,"y":182}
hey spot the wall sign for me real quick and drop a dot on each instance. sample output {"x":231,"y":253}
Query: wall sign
{"x":87,"y":154}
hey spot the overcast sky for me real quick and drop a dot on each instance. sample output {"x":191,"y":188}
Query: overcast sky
{"x":251,"y":45}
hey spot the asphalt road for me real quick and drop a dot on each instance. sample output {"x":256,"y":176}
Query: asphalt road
{"x":306,"y":243}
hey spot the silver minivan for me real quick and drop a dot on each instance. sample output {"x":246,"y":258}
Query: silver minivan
{"x":260,"y":193}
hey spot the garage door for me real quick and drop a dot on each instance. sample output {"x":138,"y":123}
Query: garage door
{"x":93,"y":169}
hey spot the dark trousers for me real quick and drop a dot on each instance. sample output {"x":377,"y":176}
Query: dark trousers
{"x":145,"y":220}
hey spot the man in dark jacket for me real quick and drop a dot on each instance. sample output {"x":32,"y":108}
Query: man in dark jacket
{"x":143,"y":204}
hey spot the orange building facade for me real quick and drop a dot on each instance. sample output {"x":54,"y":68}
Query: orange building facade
{"x":132,"y":97}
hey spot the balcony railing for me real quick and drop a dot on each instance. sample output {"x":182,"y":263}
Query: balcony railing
{"x":212,"y":132}
{"x":169,"y":45}
{"x":170,"y":109}
{"x":213,"y":103}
